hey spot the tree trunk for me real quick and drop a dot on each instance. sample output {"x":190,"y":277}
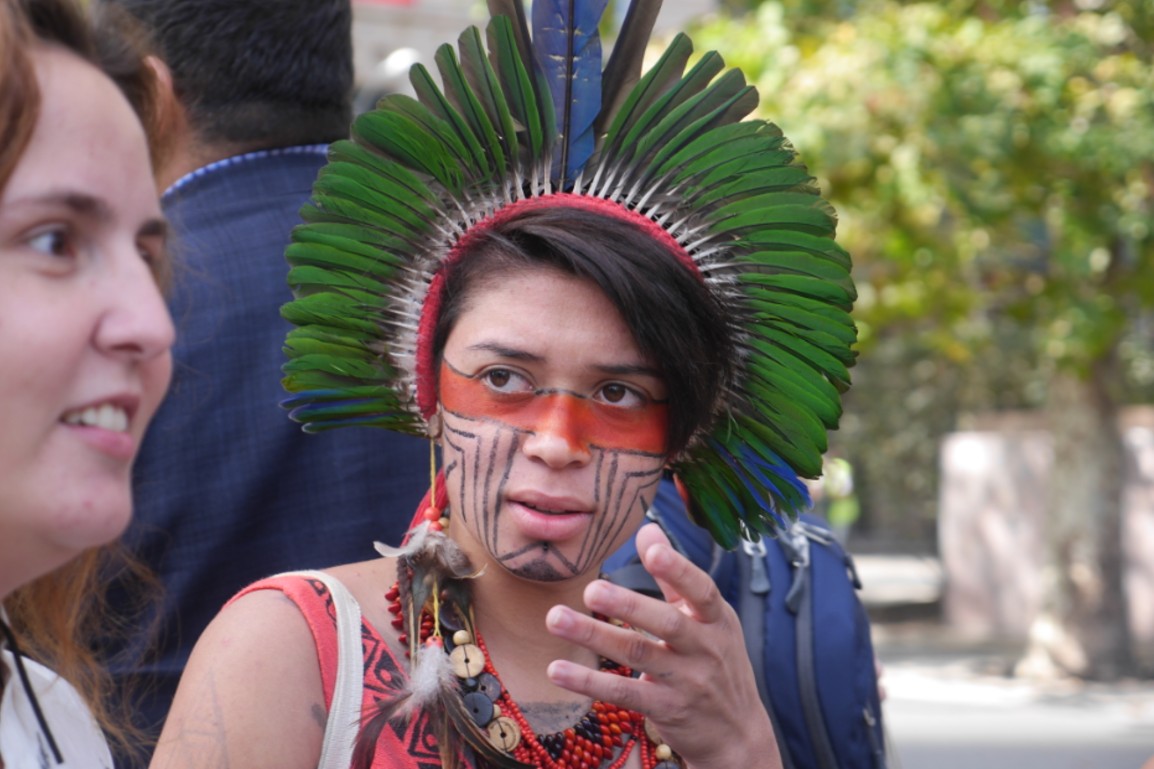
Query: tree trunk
{"x":1083,"y":627}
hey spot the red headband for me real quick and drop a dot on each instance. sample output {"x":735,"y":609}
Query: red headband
{"x":431,"y":311}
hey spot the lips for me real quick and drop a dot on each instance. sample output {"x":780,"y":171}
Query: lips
{"x":549,"y":505}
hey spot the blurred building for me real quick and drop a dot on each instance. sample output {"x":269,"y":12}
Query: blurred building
{"x":391,"y":35}
{"x":992,"y":518}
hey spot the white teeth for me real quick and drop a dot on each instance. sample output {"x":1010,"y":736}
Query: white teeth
{"x":106,"y":417}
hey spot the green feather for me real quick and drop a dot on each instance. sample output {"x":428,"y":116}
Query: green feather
{"x":821,"y":290}
{"x":835,"y":365}
{"x":412,"y":135}
{"x":663,"y":76}
{"x":377,"y":164}
{"x":711,"y":107}
{"x":517,"y":83}
{"x":490,"y":95}
{"x":448,"y":110}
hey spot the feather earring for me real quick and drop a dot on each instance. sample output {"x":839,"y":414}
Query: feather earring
{"x":434,"y":595}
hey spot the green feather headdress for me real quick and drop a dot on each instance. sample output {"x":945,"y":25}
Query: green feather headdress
{"x":520,"y":117}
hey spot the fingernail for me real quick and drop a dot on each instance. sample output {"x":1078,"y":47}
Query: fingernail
{"x":558,"y":618}
{"x":597,"y":592}
{"x":658,"y":555}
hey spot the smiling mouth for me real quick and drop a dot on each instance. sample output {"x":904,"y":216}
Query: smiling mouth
{"x":105,"y":417}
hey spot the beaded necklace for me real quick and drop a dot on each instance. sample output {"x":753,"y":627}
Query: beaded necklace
{"x":603,"y":738}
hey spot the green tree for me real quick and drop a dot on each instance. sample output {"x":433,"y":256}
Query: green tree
{"x":993,"y":165}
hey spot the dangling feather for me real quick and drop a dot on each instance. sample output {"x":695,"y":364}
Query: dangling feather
{"x":432,"y":576}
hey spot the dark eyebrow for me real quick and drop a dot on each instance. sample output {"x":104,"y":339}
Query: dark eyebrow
{"x":82,"y":204}
{"x":627,"y":370}
{"x":506,"y":352}
{"x":622,"y":369}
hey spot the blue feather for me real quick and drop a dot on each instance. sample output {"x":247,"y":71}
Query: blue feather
{"x":567,"y":44}
{"x":767,"y":474}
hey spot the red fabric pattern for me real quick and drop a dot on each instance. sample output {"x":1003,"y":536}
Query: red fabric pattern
{"x":404,"y":746}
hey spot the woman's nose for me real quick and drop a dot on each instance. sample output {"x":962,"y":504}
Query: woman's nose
{"x":560,"y":438}
{"x":136,"y":322}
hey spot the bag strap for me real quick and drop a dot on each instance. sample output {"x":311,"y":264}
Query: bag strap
{"x":344,"y":721}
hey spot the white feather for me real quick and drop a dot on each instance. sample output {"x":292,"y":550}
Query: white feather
{"x":431,"y":677}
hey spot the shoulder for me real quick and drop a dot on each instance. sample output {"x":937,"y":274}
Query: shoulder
{"x":252,"y":693}
{"x":369,"y":583}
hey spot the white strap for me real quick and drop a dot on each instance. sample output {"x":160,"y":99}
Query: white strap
{"x":344,"y":720}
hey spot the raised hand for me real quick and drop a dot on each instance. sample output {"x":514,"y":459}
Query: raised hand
{"x":696,"y":685}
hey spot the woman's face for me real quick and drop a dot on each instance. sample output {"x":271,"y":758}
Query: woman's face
{"x":554,"y":426}
{"x":84,"y":332}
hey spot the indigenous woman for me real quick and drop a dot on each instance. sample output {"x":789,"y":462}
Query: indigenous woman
{"x":84,"y":336}
{"x":576,"y":281}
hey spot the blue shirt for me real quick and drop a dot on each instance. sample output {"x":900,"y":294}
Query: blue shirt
{"x":228,"y":489}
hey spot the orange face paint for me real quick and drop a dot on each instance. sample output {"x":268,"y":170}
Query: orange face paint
{"x":582,"y":421}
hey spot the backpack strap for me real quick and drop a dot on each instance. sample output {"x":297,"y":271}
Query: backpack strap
{"x":754,"y":582}
{"x":344,"y":720}
{"x":800,"y":601}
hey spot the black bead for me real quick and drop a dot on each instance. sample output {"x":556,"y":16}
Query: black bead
{"x":480,"y":708}
{"x":488,"y":685}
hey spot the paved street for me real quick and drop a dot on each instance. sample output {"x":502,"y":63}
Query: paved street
{"x":951,"y":705}
{"x":953,"y":708}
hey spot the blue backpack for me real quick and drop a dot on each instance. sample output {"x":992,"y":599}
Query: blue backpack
{"x":806,"y":631}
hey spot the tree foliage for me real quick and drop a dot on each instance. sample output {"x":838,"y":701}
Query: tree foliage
{"x":993,"y":165}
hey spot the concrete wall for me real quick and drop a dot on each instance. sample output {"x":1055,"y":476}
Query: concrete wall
{"x":990,"y":526}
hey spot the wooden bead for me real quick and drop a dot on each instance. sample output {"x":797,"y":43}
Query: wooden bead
{"x":468,"y":661}
{"x":462,"y":637}
{"x":663,"y":752}
{"x":504,"y":734}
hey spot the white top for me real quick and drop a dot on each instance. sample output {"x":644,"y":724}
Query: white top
{"x":23,"y":745}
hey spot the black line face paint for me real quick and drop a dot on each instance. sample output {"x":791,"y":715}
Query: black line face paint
{"x":519,"y":510}
{"x":555,"y":425}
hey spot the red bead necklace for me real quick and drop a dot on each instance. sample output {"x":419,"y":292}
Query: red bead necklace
{"x":591,"y":742}
{"x":602,"y":739}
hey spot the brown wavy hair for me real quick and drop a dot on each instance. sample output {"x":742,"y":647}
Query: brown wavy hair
{"x":61,"y":618}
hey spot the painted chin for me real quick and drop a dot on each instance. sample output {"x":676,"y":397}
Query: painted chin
{"x":541,"y":526}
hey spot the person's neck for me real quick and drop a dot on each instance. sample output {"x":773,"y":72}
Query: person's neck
{"x":510,"y":616}
{"x":188,"y":156}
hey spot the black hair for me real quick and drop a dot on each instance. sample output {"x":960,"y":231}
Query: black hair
{"x":264,"y":74}
{"x":676,"y":322}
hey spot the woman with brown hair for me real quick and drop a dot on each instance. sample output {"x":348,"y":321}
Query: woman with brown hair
{"x":84,"y":336}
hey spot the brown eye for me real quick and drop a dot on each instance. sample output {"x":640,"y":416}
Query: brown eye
{"x":499,"y":378}
{"x":503,"y":380}
{"x":616,"y":394}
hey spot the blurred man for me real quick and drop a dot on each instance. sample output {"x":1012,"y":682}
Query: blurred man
{"x":228,"y":490}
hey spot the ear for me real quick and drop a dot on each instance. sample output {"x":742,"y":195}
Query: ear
{"x":171,"y":134}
